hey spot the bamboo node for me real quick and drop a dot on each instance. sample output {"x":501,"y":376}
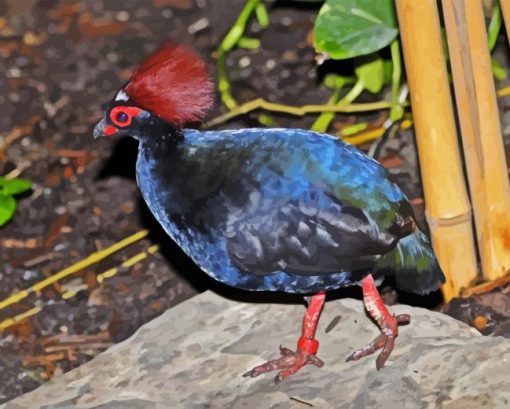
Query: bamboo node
{"x":448,"y":221}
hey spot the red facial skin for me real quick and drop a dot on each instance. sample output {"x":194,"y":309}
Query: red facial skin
{"x":121,"y":116}
{"x":128,"y":112}
{"x":109,"y":130}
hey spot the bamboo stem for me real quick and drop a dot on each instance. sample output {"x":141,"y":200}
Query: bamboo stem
{"x":447,"y":206}
{"x":481,"y":132}
{"x":486,"y":287}
{"x":505,"y":8}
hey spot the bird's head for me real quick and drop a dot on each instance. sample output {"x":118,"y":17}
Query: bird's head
{"x":167,"y":90}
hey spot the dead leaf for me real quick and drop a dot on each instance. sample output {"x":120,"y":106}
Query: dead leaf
{"x":178,"y":4}
{"x":91,"y":26}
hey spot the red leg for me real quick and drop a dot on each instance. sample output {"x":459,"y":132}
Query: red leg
{"x":387,"y":323}
{"x":290,"y":362}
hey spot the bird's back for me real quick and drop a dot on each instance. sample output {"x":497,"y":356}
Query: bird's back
{"x":289,"y":162}
{"x":276,"y":206}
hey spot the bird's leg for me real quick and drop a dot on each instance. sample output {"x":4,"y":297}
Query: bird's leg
{"x":290,"y":362}
{"x":387,"y":322}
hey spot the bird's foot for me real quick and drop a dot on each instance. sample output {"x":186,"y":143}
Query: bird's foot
{"x":306,"y":354}
{"x":387,"y":323}
{"x":386,"y":340}
{"x":289,"y":363}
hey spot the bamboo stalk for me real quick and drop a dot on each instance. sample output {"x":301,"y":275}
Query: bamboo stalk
{"x":505,"y":8}
{"x":486,"y":287}
{"x":447,"y":207}
{"x":481,"y":132}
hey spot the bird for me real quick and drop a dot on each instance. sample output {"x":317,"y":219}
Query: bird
{"x":263,"y":209}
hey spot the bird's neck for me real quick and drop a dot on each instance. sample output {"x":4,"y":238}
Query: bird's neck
{"x":159,"y":138}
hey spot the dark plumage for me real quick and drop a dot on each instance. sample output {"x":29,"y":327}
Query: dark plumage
{"x":270,"y":209}
{"x":282,"y":209}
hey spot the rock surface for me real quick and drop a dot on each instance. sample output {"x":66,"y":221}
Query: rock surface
{"x":193,"y":356}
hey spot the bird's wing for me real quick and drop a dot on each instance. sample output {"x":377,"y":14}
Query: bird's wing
{"x":309,"y":235}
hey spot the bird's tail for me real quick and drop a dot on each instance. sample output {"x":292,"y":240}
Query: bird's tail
{"x":414,"y":264}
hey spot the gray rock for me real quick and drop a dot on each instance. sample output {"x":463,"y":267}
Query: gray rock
{"x":193,"y":356}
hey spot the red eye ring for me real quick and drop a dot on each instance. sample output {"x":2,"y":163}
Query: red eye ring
{"x":122,"y":116}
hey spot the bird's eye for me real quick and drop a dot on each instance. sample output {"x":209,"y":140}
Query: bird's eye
{"x":122,"y":117}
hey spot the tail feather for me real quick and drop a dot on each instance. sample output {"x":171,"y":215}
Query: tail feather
{"x":414,"y":264}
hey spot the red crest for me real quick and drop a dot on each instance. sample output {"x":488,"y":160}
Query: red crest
{"x":173,"y":84}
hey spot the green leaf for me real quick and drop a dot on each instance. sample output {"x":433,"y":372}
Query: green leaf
{"x":494,"y":26}
{"x":248,"y":43}
{"x":231,"y":38}
{"x":335,"y":81}
{"x":7,"y":208}
{"x":350,"y":28}
{"x":354,"y":129}
{"x":262,"y":16}
{"x":14,"y":186}
{"x":387,"y":71}
{"x":265,"y":120}
{"x":497,"y":70}
{"x":372,"y":74}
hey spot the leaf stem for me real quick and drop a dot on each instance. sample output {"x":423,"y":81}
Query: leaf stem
{"x":396,"y":111}
{"x":224,"y":84}
{"x":262,"y":16}
{"x":321,"y":124}
{"x":230,"y":41}
{"x":354,"y":93}
{"x":237,"y":30}
{"x":260,"y":103}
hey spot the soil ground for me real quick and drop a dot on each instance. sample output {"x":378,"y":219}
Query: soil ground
{"x":60,"y":61}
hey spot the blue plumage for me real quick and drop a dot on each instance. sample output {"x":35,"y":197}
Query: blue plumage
{"x":281,"y":210}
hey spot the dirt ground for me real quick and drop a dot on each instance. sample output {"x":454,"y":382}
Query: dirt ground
{"x":60,"y":61}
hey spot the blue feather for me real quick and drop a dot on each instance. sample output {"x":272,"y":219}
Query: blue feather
{"x":216,"y":188}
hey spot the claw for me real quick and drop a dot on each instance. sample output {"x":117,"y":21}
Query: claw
{"x":285,"y":351}
{"x":368,"y":349}
{"x":315,"y":360}
{"x":403,"y":319}
{"x":387,"y":323}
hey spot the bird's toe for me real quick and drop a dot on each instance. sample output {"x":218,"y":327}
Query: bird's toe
{"x":384,"y":341}
{"x":289,"y":363}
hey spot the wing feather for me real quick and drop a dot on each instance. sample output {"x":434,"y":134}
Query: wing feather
{"x":301,"y":238}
